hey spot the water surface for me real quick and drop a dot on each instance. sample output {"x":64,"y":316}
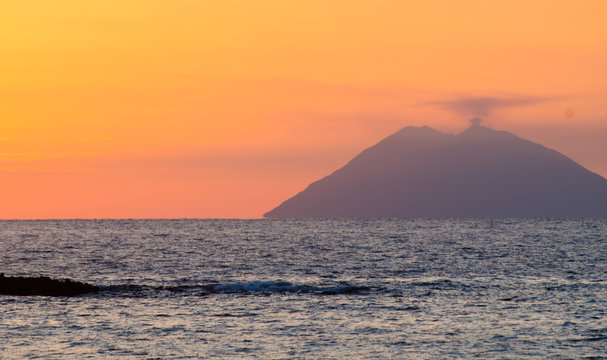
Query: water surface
{"x":313,"y":289}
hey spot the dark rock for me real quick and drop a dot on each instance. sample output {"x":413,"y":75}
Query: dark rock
{"x":43,"y":285}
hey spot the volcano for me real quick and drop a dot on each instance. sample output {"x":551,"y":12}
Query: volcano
{"x":419,"y":172}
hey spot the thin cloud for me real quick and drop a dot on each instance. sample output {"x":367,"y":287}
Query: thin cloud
{"x":253,"y":159}
{"x":485,"y":105}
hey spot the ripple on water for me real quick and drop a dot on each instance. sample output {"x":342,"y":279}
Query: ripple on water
{"x":309,"y":289}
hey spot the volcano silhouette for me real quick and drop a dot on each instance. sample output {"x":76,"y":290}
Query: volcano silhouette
{"x":419,"y":172}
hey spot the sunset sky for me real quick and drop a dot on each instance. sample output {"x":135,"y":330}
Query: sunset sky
{"x":223,"y":109}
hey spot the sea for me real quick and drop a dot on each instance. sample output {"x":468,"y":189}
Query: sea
{"x":309,"y":289}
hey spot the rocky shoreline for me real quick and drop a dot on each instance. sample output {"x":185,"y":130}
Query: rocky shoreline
{"x":44,"y":286}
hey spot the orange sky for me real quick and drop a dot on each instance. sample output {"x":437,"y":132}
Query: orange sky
{"x":152,"y":109}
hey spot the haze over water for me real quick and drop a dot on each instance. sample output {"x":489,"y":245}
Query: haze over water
{"x":313,"y":289}
{"x":224,"y":109}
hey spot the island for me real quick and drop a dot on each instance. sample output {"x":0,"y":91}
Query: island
{"x":419,"y":172}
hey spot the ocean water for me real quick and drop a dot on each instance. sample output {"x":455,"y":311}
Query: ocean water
{"x":309,"y":289}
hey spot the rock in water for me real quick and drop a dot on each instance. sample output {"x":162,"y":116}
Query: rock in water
{"x":43,"y":285}
{"x":419,"y":172}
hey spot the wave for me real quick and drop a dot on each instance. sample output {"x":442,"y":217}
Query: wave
{"x":252,"y":288}
{"x":282,"y":287}
{"x":45,"y":286}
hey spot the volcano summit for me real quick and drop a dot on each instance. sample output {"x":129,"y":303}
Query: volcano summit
{"x":419,"y":172}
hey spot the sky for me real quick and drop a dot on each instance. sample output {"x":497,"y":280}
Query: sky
{"x":224,"y":109}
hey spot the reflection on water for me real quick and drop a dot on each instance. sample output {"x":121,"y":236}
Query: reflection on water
{"x":309,"y":289}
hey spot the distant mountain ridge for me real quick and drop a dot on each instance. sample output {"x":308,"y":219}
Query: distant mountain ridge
{"x":419,"y":172}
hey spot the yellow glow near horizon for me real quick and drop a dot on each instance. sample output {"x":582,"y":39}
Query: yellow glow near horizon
{"x":140,"y":108}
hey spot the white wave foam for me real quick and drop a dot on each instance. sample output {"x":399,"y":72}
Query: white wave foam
{"x":257,"y":286}
{"x":281,"y":286}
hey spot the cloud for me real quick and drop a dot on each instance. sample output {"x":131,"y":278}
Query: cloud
{"x":322,"y":88}
{"x":236,"y":159}
{"x":250,"y":159}
{"x":484,"y":105}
